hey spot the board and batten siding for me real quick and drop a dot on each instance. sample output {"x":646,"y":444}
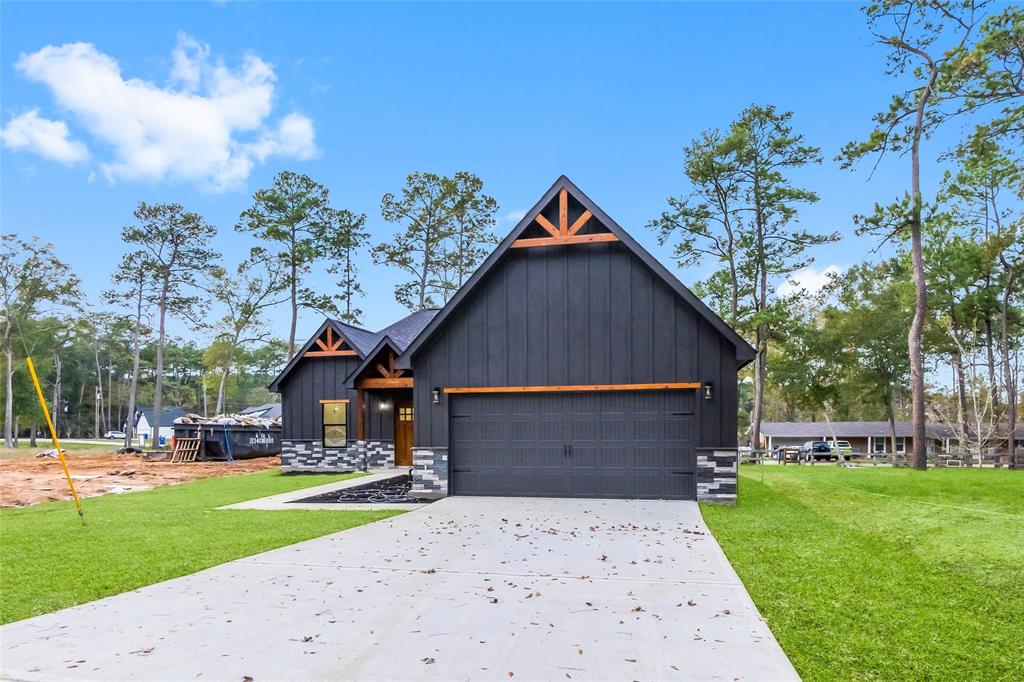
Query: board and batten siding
{"x":583,"y":314}
{"x":312,"y":380}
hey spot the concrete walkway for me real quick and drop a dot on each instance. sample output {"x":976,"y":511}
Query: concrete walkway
{"x":466,"y":588}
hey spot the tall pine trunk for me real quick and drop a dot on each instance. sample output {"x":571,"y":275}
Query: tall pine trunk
{"x":133,"y":387}
{"x":158,"y":397}
{"x":222,"y":389}
{"x":295,"y":310}
{"x":760,"y":363}
{"x":8,"y":388}
{"x":916,"y":332}
{"x":56,"y":394}
{"x":1008,"y":374}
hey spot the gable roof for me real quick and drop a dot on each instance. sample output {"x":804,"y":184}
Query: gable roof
{"x":343,"y":329}
{"x":363,"y":339}
{"x":397,"y":335}
{"x":167,"y":415}
{"x":367,"y":344}
{"x":350,"y":380}
{"x":744,"y":351}
{"x":266,"y":410}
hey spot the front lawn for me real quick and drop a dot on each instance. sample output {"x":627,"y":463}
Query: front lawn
{"x":886,"y":574}
{"x":49,"y":561}
{"x":24,"y":450}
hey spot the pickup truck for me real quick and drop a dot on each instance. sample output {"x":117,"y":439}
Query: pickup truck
{"x":842,"y":448}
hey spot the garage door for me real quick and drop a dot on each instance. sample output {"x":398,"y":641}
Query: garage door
{"x":622,"y":444}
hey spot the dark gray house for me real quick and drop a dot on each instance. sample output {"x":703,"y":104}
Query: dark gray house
{"x":571,"y":364}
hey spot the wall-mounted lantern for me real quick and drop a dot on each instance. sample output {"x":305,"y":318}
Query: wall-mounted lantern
{"x":707,"y":390}
{"x":435,"y":396}
{"x":384,"y":405}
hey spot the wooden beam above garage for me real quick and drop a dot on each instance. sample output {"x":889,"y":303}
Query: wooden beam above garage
{"x":569,"y":389}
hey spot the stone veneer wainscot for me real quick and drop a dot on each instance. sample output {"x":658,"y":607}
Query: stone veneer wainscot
{"x":716,"y":476}
{"x":311,"y":455}
{"x":429,"y":473}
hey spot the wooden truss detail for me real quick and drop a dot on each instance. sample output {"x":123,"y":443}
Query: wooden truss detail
{"x":389,"y":371}
{"x":330,"y":346}
{"x":390,"y":376}
{"x":564,"y":233}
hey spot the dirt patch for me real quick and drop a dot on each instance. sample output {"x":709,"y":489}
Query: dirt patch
{"x":30,"y":481}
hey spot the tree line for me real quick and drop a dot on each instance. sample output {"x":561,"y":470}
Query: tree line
{"x":946,"y":302}
{"x":171,"y":270}
{"x":950,"y":297}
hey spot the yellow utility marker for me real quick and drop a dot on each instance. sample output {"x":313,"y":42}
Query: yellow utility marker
{"x":53,"y":436}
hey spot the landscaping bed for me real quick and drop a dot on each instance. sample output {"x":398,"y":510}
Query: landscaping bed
{"x":884,"y":573}
{"x":394,"y":490}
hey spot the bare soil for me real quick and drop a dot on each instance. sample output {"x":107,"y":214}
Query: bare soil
{"x":30,"y":481}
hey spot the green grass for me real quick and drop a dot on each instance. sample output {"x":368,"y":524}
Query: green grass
{"x":48,"y":560}
{"x":887,"y":574}
{"x":25,"y":451}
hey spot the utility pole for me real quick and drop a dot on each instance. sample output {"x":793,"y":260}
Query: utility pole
{"x":96,"y":411}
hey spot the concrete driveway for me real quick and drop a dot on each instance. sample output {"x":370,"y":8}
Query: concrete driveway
{"x":466,"y":588}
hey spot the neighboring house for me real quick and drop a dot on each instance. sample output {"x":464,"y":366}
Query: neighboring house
{"x":144,"y":423}
{"x":571,"y":364}
{"x":266,"y":411}
{"x":865,"y":437}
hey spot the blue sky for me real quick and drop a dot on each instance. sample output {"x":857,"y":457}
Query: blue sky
{"x":357,"y":96}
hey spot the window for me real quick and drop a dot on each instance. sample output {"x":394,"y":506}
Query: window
{"x":882,"y":444}
{"x":335,"y":424}
{"x":405,"y":414}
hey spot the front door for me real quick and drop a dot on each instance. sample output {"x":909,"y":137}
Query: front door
{"x":403,"y":434}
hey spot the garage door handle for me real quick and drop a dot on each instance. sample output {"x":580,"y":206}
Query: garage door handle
{"x":565,"y":450}
{"x":570,"y":450}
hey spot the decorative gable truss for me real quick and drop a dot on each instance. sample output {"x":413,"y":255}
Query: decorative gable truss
{"x":576,"y":225}
{"x":388,"y":376}
{"x":329,"y":345}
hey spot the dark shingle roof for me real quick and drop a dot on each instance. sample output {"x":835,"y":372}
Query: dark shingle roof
{"x":401,"y":333}
{"x":363,"y":339}
{"x":169,"y":414}
{"x":408,"y":328}
{"x":267,"y":410}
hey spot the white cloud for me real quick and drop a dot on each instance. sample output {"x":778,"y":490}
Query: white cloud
{"x":188,"y":56}
{"x":809,"y":279}
{"x":49,"y":139}
{"x":514,"y":216}
{"x":208,"y":125}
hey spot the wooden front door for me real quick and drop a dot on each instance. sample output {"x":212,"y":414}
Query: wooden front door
{"x":403,"y":434}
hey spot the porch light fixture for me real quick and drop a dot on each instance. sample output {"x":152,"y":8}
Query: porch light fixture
{"x":707,"y":390}
{"x":384,"y":405}
{"x":435,"y":395}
